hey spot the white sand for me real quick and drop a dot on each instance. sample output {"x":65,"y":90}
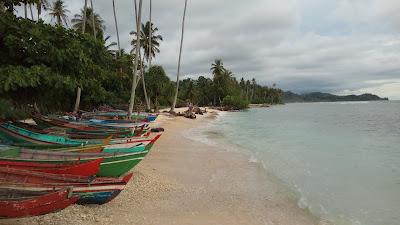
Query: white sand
{"x":186,"y":182}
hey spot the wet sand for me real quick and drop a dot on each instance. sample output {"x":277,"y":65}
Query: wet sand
{"x":184,"y":182}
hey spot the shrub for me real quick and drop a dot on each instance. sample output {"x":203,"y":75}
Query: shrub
{"x":234,"y":103}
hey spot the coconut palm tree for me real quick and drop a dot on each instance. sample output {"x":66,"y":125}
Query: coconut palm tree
{"x":59,"y":12}
{"x":179,"y":59}
{"x":217,"y":67}
{"x":150,"y":42}
{"x":108,"y":46}
{"x":41,"y":4}
{"x":116,"y":28}
{"x":138,"y":16}
{"x":88,"y":28}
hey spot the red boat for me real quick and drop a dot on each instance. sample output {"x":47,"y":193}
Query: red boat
{"x":91,"y":191}
{"x":25,"y":176}
{"x":84,"y":169}
{"x":16,"y":203}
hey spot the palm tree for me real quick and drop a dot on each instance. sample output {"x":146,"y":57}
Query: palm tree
{"x":138,"y":16}
{"x":150,"y":42}
{"x":116,"y":27}
{"x":41,"y":4}
{"x":109,"y":45}
{"x":179,"y":59}
{"x":217,"y":67}
{"x":95,"y":19}
{"x":59,"y":12}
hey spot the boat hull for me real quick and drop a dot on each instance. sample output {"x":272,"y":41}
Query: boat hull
{"x":38,"y":205}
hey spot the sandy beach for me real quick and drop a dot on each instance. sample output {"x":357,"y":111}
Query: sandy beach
{"x":185,"y":182}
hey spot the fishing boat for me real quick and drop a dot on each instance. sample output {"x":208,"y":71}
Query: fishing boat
{"x":114,"y":164}
{"x":22,"y":203}
{"x":94,"y":191}
{"x":84,"y":169}
{"x":17,"y":134}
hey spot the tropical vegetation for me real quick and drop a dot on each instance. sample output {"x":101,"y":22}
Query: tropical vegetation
{"x":42,"y":66}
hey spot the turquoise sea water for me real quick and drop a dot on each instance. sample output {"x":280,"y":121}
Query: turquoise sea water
{"x":341,"y":159}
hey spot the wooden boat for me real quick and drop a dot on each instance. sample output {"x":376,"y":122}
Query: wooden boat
{"x":40,"y":178}
{"x":23,"y":135}
{"x":22,"y":203}
{"x":94,"y":191}
{"x":19,"y":135}
{"x":84,"y":169}
{"x":114,"y":164}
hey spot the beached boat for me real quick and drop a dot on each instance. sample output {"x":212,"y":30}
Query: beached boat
{"x":22,"y":203}
{"x":20,"y":135}
{"x":114,"y":164}
{"x":93,"y":191}
{"x":84,"y":169}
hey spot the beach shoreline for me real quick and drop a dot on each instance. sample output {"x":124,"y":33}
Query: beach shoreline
{"x":183,"y":181}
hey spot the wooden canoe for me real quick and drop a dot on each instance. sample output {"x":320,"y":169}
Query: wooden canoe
{"x":21,"y":203}
{"x":114,"y":164}
{"x":96,"y":191}
{"x":84,"y":169}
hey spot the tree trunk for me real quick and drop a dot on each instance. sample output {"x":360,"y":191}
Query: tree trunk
{"x":150,"y":37}
{"x":78,"y":90}
{"x":144,"y":87}
{"x":138,"y":15}
{"x":39,"y":9}
{"x":179,"y":59}
{"x":30,"y":8}
{"x":78,"y":100}
{"x":84,"y":17}
{"x":93,"y":22}
{"x":116,"y":28}
{"x":26,"y":11}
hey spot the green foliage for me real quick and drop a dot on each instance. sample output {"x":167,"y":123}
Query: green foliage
{"x":9,"y":112}
{"x":160,"y":89}
{"x":44,"y":64}
{"x":234,"y":103}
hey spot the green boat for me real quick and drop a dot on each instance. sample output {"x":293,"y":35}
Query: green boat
{"x":19,"y":135}
{"x":113,"y":165}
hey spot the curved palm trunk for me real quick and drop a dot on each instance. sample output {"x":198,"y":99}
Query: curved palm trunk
{"x":138,"y":16}
{"x":93,"y":22}
{"x":179,"y":60}
{"x":116,"y":27}
{"x":79,"y":90}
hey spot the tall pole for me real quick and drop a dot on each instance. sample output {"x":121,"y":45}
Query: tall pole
{"x":93,"y":22}
{"x":116,"y":27}
{"x":79,"y":90}
{"x":179,"y":60}
{"x":138,"y":16}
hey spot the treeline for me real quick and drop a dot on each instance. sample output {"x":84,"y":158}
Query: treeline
{"x":223,"y":89}
{"x":41,"y":66}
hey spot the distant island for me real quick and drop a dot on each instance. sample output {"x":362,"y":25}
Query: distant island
{"x":289,"y":97}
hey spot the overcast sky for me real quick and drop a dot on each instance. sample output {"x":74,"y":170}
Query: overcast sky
{"x":341,"y":47}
